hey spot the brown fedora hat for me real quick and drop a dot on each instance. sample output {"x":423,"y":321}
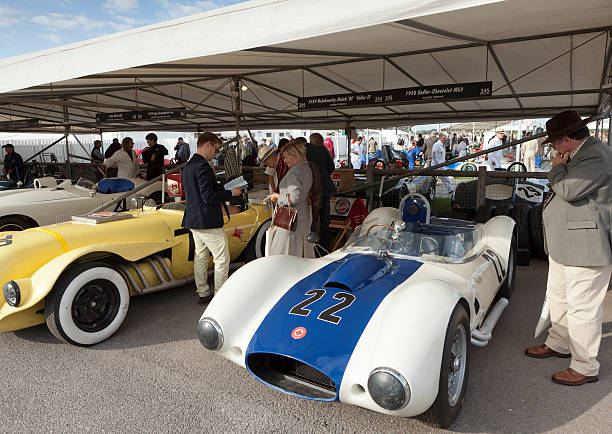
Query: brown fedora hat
{"x":564,"y":124}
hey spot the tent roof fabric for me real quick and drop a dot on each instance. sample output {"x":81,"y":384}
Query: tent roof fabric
{"x":542,"y":57}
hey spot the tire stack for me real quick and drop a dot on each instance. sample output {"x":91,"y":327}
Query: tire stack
{"x":529,"y":226}
{"x":537,"y":231}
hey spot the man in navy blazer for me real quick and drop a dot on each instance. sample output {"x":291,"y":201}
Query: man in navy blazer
{"x":203,"y":215}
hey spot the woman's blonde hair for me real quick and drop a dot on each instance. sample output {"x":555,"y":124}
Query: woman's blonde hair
{"x":296,"y":149}
{"x":125,"y":142}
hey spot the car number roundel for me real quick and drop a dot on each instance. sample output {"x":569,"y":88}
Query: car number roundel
{"x":298,"y":333}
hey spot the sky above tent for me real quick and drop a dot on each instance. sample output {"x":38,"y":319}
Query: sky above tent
{"x":34,"y":25}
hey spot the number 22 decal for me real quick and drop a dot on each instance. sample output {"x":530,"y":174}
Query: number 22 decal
{"x":328,"y":314}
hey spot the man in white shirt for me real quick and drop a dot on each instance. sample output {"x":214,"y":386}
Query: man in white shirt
{"x":438,"y":156}
{"x":495,"y":158}
{"x":461,"y":148}
{"x":357,"y":153}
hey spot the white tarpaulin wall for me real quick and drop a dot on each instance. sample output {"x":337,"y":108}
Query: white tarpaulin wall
{"x":542,"y":57}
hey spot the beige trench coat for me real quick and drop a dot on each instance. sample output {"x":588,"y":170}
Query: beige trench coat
{"x":296,"y":183}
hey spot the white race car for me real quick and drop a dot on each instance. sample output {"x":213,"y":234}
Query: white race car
{"x":48,"y":202}
{"x":385,"y":323}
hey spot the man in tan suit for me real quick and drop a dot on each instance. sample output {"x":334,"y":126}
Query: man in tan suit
{"x":528,"y":152}
{"x":428,"y":146}
{"x":577,"y":228}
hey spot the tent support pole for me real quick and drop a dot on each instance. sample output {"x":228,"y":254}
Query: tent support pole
{"x":67,"y":132}
{"x":348,"y":144}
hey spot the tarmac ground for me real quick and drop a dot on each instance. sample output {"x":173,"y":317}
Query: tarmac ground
{"x":154,"y":376}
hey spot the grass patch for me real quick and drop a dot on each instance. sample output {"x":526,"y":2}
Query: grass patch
{"x":441,"y":207}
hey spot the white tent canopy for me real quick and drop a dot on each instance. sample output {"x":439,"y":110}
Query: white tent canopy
{"x":541,"y":57}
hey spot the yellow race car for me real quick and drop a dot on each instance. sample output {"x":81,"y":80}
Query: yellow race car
{"x":78,"y":276}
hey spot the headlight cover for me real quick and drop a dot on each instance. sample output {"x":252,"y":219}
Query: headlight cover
{"x":210,"y":334}
{"x":11,"y":293}
{"x":388,"y":388}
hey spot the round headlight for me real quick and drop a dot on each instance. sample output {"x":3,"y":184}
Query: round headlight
{"x":11,"y":293}
{"x":388,"y":389}
{"x":210,"y":334}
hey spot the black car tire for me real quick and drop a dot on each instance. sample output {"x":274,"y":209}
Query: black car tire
{"x":504,"y":209}
{"x":517,"y":166}
{"x":257,"y":246}
{"x":431,"y":191}
{"x":507,"y":286}
{"x":537,"y":231}
{"x":485,"y":212}
{"x":469,"y":167}
{"x":520,"y":214}
{"x":442,"y":414}
{"x":87,"y":304}
{"x":15,"y":223}
{"x":157,"y":197}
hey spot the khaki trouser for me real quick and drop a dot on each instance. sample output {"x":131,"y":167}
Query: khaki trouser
{"x":575,"y":296}
{"x":529,"y":161}
{"x":215,"y":242}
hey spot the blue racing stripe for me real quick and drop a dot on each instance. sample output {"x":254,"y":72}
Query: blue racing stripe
{"x":327,"y":346}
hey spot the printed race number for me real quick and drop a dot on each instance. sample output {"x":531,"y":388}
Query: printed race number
{"x":329,"y":314}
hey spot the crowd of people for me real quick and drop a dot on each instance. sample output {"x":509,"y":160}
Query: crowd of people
{"x":299,"y":176}
{"x":121,"y":160}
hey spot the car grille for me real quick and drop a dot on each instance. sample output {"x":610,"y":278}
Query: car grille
{"x":292,"y":376}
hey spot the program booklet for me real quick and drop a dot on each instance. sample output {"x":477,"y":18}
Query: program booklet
{"x":237,"y":182}
{"x":95,"y":218}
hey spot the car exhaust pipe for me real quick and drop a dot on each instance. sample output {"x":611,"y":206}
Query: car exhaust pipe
{"x":481,"y":336}
{"x":146,"y":287}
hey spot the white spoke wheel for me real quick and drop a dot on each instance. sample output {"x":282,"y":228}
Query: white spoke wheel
{"x":454,"y":371}
{"x":88,"y":304}
{"x":431,"y":193}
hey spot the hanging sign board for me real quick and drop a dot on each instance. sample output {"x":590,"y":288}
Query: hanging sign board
{"x":20,"y":123}
{"x":437,"y":93}
{"x":150,"y":115}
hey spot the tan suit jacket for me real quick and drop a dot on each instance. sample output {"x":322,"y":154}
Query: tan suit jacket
{"x":577,"y":221}
{"x":428,"y":146}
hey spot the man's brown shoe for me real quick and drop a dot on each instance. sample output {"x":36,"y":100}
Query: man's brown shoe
{"x":569,"y":377}
{"x":542,"y":352}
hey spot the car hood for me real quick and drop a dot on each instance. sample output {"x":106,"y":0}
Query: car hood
{"x":314,"y":333}
{"x":39,"y":195}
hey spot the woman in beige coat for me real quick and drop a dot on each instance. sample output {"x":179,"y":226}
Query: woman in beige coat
{"x":294,"y":188}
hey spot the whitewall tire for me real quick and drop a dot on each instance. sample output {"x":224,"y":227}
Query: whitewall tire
{"x":88,"y":304}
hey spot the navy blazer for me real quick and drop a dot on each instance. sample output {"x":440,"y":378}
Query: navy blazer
{"x":204,"y":197}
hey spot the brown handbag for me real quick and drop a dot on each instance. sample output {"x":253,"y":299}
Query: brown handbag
{"x":285,"y":216}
